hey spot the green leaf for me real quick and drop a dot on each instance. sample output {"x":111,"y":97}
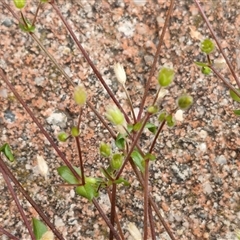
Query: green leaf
{"x":87,"y":191}
{"x":39,"y":228}
{"x":138,"y":160}
{"x":120,"y":141}
{"x":6,"y":150}
{"x":151,"y":127}
{"x":122,"y":180}
{"x":234,"y":96}
{"x":67,"y":175}
{"x":150,"y":157}
{"x":29,"y":28}
{"x":129,"y":128}
{"x":107,"y":172}
{"x":207,"y":46}
{"x":93,"y":180}
{"x":237,"y":112}
{"x":137,"y":126}
{"x":201,"y":64}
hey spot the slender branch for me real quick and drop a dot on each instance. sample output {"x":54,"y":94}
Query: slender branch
{"x":133,"y":146}
{"x":3,"y":231}
{"x":130,"y":103}
{"x":19,"y":207}
{"x":151,"y":201}
{"x":156,"y":136}
{"x":146,"y":197}
{"x":52,"y":59}
{"x":218,"y":43}
{"x":155,"y":59}
{"x":113,"y":208}
{"x":151,"y":222}
{"x":30,"y":200}
{"x":91,"y":64}
{"x":35,"y":120}
{"x":116,"y":217}
{"x":96,"y":204}
{"x":80,"y":159}
{"x":35,"y":15}
{"x":225,"y":81}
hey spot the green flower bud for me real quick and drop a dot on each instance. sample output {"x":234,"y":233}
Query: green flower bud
{"x":19,"y":3}
{"x":75,"y":131}
{"x":105,"y":150}
{"x":207,"y":46}
{"x":165,"y":77}
{"x":162,"y":116}
{"x":116,"y":161}
{"x":115,"y":116}
{"x":62,"y":137}
{"x":153,"y":109}
{"x":170,"y":121}
{"x":184,"y":102}
{"x":80,"y":95}
{"x":206,"y":70}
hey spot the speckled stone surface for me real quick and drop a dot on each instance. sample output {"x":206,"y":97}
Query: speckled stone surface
{"x":195,"y":179}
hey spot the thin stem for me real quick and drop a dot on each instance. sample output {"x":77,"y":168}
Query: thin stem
{"x":96,"y":204}
{"x":19,"y":207}
{"x":133,"y":146}
{"x":35,"y":120}
{"x":35,"y":16}
{"x":80,"y":159}
{"x":151,"y":201}
{"x":116,"y":217}
{"x":151,"y":222}
{"x":3,"y":231}
{"x":113,"y":208}
{"x":59,"y":67}
{"x":225,"y":81}
{"x":155,"y":59}
{"x":146,"y":197}
{"x":130,"y":103}
{"x":91,"y":64}
{"x":23,"y":19}
{"x":30,"y":200}
{"x":218,"y":43}
{"x":156,"y":136}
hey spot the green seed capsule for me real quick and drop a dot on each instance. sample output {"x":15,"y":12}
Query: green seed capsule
{"x":19,"y":3}
{"x":184,"y":102}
